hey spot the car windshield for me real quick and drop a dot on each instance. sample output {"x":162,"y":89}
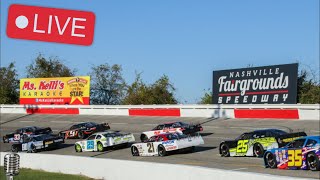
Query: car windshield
{"x":90,"y":124}
{"x":240,"y":137}
{"x":184,"y":124}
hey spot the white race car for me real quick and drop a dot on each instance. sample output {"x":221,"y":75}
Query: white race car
{"x":171,"y":127}
{"x":99,"y":141}
{"x":161,"y":144}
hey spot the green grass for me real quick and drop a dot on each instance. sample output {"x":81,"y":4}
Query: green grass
{"x":29,"y":174}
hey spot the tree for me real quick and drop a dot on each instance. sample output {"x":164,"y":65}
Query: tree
{"x":52,"y":67}
{"x":160,"y":92}
{"x":9,"y":85}
{"x":308,"y":89}
{"x":207,"y":98}
{"x":107,"y":84}
{"x":137,"y":92}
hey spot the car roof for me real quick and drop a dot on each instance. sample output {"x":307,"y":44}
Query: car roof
{"x":170,"y":122}
{"x":85,"y":123}
{"x":261,"y":130}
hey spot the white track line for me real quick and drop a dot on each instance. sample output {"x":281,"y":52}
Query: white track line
{"x":60,"y":121}
{"x":119,"y":123}
{"x":26,"y":121}
{"x":238,"y":169}
{"x":151,"y":124}
{"x":314,"y":131}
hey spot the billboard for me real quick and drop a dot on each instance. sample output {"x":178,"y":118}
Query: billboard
{"x":256,"y":85}
{"x":59,"y":90}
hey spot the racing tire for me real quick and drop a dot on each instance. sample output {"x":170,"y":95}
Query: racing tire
{"x":78,"y":148}
{"x":258,"y":150}
{"x":100,"y":147}
{"x":162,"y":151}
{"x":14,"y":148}
{"x":270,"y":160}
{"x":134,"y":151}
{"x":224,"y":150}
{"x":313,"y":162}
{"x":33,"y":148}
{"x":80,"y":135}
{"x":143,"y":137}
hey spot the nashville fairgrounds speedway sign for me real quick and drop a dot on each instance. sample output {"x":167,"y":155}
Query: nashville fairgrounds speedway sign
{"x":256,"y":85}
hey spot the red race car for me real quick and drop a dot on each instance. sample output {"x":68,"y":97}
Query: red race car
{"x":83,"y":130}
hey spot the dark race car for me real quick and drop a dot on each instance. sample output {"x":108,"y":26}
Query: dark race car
{"x":302,"y":153}
{"x":25,"y":131}
{"x":171,"y":127}
{"x":257,"y":142}
{"x":83,"y":130}
{"x":35,"y":143}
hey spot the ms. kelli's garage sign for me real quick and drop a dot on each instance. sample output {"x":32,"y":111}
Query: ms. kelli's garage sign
{"x":60,"y":90}
{"x":257,"y":85}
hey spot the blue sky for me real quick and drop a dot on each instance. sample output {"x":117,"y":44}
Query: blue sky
{"x":184,"y":39}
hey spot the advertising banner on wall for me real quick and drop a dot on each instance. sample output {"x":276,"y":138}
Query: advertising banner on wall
{"x":59,"y":90}
{"x":256,"y":85}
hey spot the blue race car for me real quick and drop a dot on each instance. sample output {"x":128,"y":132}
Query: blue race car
{"x":302,"y":153}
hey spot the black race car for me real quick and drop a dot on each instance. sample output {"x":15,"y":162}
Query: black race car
{"x":180,"y":127}
{"x":25,"y":131}
{"x":35,"y":143}
{"x":255,"y":143}
{"x":83,"y":130}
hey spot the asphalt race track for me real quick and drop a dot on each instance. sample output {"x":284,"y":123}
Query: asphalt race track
{"x":206,"y":155}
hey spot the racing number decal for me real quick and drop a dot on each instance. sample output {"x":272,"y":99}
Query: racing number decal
{"x":242,"y":146}
{"x":295,"y":157}
{"x":150,"y":147}
{"x":72,"y":133}
{"x":90,"y":144}
{"x":16,"y":137}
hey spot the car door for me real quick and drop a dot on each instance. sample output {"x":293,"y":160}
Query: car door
{"x":242,"y":144}
{"x":150,"y":148}
{"x":73,"y":131}
{"x":295,"y":154}
{"x":90,"y":144}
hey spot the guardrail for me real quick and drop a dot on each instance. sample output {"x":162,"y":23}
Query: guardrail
{"x":112,"y":169}
{"x":276,"y":111}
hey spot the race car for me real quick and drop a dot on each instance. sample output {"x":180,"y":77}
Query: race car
{"x":25,"y":131}
{"x":35,"y":143}
{"x":171,"y":127}
{"x":302,"y":153}
{"x":162,"y":144}
{"x":256,"y":142}
{"x":83,"y":130}
{"x":100,"y":141}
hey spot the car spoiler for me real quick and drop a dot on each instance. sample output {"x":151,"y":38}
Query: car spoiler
{"x":47,"y":130}
{"x":286,"y":138}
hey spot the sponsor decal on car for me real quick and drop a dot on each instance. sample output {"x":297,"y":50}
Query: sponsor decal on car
{"x":168,"y":142}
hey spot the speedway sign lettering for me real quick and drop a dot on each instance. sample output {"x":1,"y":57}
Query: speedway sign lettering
{"x":258,"y":85}
{"x":60,"y":90}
